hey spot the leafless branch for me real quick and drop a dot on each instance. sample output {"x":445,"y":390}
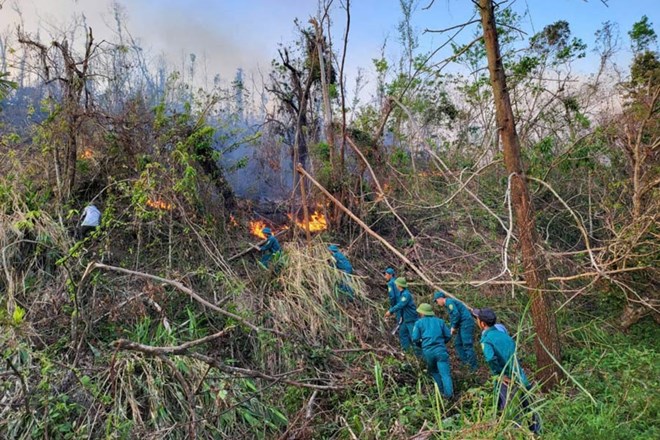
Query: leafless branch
{"x":94,"y":265}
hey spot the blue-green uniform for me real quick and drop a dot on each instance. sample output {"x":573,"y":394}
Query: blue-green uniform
{"x":392,"y":292}
{"x":499,"y":350}
{"x":460,"y":319}
{"x":341,"y":263}
{"x":406,"y":313}
{"x":432,"y":334}
{"x":500,"y":353}
{"x":269,"y":249}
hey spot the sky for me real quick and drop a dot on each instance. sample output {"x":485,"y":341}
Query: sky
{"x":228,"y":34}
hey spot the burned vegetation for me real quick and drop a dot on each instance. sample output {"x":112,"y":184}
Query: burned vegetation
{"x":233,"y":261}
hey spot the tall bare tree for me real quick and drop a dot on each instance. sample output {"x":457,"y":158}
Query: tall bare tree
{"x":547,"y":337}
{"x":72,"y":72}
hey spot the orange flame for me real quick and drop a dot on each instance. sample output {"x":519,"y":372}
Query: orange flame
{"x":159,"y":204}
{"x":87,"y":154}
{"x":255,"y":228}
{"x":317,"y":222}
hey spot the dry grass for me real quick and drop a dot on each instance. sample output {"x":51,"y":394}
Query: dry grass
{"x":31,"y":242}
{"x":306,"y":298}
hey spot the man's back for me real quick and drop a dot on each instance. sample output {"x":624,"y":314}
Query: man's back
{"x":499,"y":350}
{"x":458,"y":312}
{"x":272,"y":244}
{"x":433,"y":333}
{"x":392,"y":292}
{"x":405,"y":307}
{"x":91,"y":216}
{"x":342,"y":263}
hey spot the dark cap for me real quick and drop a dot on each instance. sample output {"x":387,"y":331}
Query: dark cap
{"x":439,"y":294}
{"x":487,"y":316}
{"x":389,"y":270}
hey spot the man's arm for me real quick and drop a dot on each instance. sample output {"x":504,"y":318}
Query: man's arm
{"x":267,"y":245}
{"x":417,"y":334}
{"x":403,"y":301}
{"x":491,"y":358}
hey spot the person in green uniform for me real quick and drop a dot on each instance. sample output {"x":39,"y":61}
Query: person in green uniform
{"x":462,"y":325}
{"x":392,"y":291}
{"x":271,"y":248}
{"x":500,"y":352}
{"x":405,"y":312}
{"x":341,"y":263}
{"x":432,"y":334}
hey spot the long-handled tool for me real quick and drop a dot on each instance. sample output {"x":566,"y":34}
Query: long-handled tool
{"x":254,"y":247}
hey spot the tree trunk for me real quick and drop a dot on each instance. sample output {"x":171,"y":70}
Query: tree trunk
{"x":325,"y":90}
{"x":547,"y":337}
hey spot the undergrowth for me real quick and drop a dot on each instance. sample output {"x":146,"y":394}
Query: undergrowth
{"x":64,"y":376}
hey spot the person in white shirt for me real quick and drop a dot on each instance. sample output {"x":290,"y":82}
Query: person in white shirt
{"x":91,"y":219}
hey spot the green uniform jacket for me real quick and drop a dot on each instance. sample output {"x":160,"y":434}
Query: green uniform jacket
{"x":458,"y":313}
{"x":392,"y":292}
{"x":432,"y":334}
{"x":500,"y":353}
{"x":271,"y":246}
{"x":405,"y":307}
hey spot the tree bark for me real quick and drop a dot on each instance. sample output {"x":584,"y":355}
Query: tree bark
{"x":547,"y":342}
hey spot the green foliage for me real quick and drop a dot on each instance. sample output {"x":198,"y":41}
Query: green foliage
{"x":645,"y":68}
{"x":6,"y":85}
{"x":621,"y":374}
{"x":400,"y":159}
{"x":555,"y":42}
{"x":642,"y":35}
{"x":17,"y":315}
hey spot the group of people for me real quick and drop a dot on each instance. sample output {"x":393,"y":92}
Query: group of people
{"x":426,"y":335}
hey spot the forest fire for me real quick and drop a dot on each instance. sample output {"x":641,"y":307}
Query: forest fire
{"x":255,"y":228}
{"x":86,"y":154}
{"x":317,"y":222}
{"x":159,"y":204}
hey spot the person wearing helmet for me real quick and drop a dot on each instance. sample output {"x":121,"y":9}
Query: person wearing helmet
{"x":432,"y":334}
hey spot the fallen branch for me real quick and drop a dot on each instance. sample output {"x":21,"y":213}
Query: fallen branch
{"x":258,"y":374}
{"x":125,"y":344}
{"x":310,"y":405}
{"x":566,"y":278}
{"x":369,"y":231}
{"x":366,"y":350}
{"x":181,"y":287}
{"x":253,"y":247}
{"x":183,"y":349}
